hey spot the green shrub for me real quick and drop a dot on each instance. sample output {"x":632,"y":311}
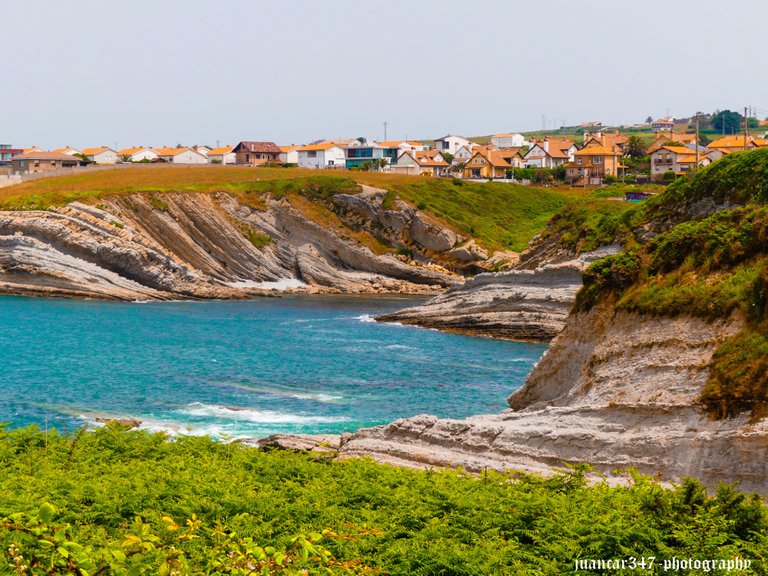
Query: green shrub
{"x":256,"y":238}
{"x":669,"y":176}
{"x":159,"y":204}
{"x":115,"y":502}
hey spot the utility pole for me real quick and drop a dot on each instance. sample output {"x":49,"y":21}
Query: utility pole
{"x":385,"y":131}
{"x":745,"y":127}
{"x":697,"y":141}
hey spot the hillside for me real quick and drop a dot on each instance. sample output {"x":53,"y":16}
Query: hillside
{"x":498,"y":216}
{"x":701,"y":249}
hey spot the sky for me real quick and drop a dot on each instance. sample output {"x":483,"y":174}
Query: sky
{"x":150,"y":72}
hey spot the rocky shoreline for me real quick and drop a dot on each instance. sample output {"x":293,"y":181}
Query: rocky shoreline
{"x":595,"y":397}
{"x":146,"y":246}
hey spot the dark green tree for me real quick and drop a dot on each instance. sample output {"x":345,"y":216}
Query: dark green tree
{"x":727,"y":121}
{"x":635,"y":147}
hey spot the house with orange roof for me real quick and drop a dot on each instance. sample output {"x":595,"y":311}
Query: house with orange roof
{"x":514,"y":140}
{"x":549,"y":153}
{"x":661,"y":138}
{"x":735,"y":143}
{"x":289,"y":154}
{"x":222,"y":155}
{"x":488,"y":164}
{"x":421,"y":162}
{"x":68,"y":150}
{"x":592,"y":164}
{"x":464,"y":153}
{"x":32,"y":149}
{"x":677,"y":159}
{"x":101,"y":155}
{"x":181,"y":155}
{"x":323,"y":155}
{"x":137,"y":154}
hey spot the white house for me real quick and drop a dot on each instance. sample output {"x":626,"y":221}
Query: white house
{"x":101,"y":155}
{"x":509,"y":140}
{"x":403,"y":145}
{"x":450,"y":143}
{"x":421,"y":162}
{"x":204,"y":150}
{"x":545,"y":154}
{"x":324,"y":155}
{"x":138,"y":154}
{"x":289,"y":154}
{"x":180,"y":156}
{"x":222,"y":155}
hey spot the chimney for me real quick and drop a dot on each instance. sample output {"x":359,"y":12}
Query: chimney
{"x":545,"y":145}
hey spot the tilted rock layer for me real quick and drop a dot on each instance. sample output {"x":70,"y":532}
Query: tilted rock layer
{"x":615,"y":390}
{"x":196,"y":245}
{"x":516,"y":305}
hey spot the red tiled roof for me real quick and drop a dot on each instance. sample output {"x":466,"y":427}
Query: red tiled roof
{"x":264,"y":147}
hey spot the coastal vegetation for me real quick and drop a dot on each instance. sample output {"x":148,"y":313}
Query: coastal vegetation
{"x":707,"y":257}
{"x":498,"y":215}
{"x":114,"y":501}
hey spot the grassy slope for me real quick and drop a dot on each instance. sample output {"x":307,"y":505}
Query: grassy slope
{"x":203,"y":506}
{"x":500,"y":216}
{"x":707,"y":266}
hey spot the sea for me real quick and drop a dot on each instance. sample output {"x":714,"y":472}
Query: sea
{"x":243,"y":369}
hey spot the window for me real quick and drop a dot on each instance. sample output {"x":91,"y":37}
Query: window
{"x":578,"y":161}
{"x":597,"y":159}
{"x":312,"y":154}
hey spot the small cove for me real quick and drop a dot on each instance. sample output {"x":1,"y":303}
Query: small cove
{"x":296,"y":364}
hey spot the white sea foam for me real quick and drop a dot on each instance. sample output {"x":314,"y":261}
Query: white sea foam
{"x":399,"y":347}
{"x":366,"y":318}
{"x":254,"y":415}
{"x":279,"y":285}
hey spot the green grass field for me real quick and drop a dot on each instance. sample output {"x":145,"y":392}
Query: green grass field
{"x":498,"y":215}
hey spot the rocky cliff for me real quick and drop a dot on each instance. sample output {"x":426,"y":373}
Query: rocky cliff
{"x":515,"y":305}
{"x":198,"y":245}
{"x":616,"y":390}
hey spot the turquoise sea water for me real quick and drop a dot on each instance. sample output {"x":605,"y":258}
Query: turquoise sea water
{"x":243,"y":369}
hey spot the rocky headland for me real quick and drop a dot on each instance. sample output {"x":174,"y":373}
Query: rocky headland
{"x":146,"y":246}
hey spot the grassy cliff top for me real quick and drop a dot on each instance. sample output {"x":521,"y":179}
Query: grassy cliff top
{"x":700,"y":248}
{"x":499,"y":216}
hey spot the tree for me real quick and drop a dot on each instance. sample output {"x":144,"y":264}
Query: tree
{"x":727,"y":121}
{"x":448,"y":157}
{"x":635,"y":147}
{"x":458,"y":167}
{"x":649,"y":120}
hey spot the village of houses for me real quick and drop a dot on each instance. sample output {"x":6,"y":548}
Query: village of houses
{"x":591,"y":161}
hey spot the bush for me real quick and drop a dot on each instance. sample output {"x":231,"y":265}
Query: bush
{"x":669,"y":176}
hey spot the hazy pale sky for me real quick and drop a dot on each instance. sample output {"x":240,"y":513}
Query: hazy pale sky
{"x":151,"y":72}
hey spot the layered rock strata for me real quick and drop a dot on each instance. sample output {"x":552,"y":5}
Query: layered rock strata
{"x":615,"y":390}
{"x":195,"y":245}
{"x":515,"y":305}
